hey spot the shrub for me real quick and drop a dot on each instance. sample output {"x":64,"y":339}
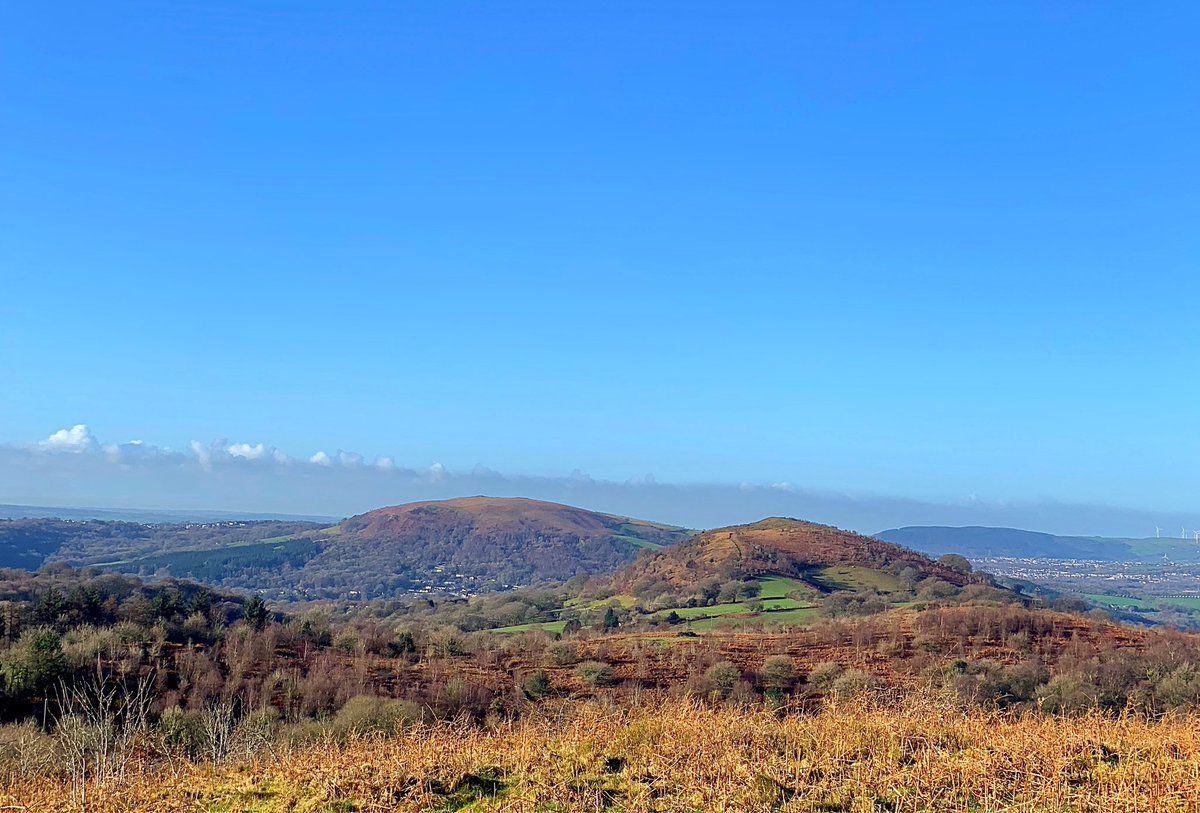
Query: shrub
{"x":402,"y":644}
{"x":851,"y":683}
{"x":1180,"y":689}
{"x":183,"y":731}
{"x":859,"y":603}
{"x":367,"y":714}
{"x":1067,"y":694}
{"x":721,"y":678}
{"x":823,"y":675}
{"x":563,"y":653}
{"x":778,"y":672}
{"x":34,"y":663}
{"x":595,"y":674}
{"x":537,"y":685}
{"x":346,"y":642}
{"x":25,"y":751}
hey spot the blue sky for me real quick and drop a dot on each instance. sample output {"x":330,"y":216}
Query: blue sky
{"x":931,"y":250}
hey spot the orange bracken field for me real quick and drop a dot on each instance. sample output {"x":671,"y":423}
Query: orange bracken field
{"x":860,"y":756}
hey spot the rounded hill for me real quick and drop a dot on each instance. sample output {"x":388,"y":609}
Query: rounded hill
{"x":827,"y":557}
{"x":476,"y":544}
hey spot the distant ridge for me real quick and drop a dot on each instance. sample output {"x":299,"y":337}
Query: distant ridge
{"x":150,"y":515}
{"x":980,"y":542}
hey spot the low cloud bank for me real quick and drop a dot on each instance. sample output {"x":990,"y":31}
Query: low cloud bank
{"x":72,"y":468}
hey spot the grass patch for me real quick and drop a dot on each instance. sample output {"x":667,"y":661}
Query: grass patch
{"x":858,"y":578}
{"x":1117,"y":601}
{"x":639,"y":542}
{"x":779,"y":587}
{"x":471,"y":789}
{"x":797,"y":617}
{"x":547,"y":626}
{"x":1192,"y":603}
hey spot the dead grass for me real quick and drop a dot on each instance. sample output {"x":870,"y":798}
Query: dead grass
{"x":918,"y":755}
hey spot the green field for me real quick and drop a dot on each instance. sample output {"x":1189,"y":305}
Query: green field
{"x":797,"y":617}
{"x":858,"y":578}
{"x":549,"y":626}
{"x":1186,"y":603}
{"x":641,"y":543}
{"x":1123,"y":602}
{"x":1151,"y":603}
{"x":779,"y":587}
{"x":776,"y":608}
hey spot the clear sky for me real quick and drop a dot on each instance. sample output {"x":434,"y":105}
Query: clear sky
{"x":930,"y":250}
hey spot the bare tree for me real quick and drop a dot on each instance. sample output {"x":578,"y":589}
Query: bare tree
{"x":97,"y":723}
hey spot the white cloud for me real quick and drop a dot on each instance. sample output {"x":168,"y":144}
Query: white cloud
{"x":349,"y":459}
{"x":203,"y":454}
{"x":247,"y":452}
{"x":76,"y":439}
{"x":216,"y":476}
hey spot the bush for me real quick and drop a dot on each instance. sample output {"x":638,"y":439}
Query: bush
{"x":859,"y":603}
{"x":537,"y":685}
{"x":595,"y":674}
{"x":346,"y":642}
{"x":851,"y":683}
{"x":367,"y":714}
{"x":402,"y":644}
{"x":823,"y":675}
{"x":34,"y":663}
{"x":1067,"y":694}
{"x":25,"y":751}
{"x":562,"y":653}
{"x":1180,"y":689}
{"x":778,"y":672}
{"x":721,"y":678}
{"x":183,"y":731}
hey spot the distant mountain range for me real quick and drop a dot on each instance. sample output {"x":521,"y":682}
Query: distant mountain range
{"x":980,"y":543}
{"x":150,"y":515}
{"x":482,"y":544}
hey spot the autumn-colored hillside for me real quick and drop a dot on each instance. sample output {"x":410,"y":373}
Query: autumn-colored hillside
{"x":784,"y":547}
{"x":479,"y":543}
{"x":870,"y":756}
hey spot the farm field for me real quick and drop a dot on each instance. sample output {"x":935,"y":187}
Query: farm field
{"x":776,"y":607}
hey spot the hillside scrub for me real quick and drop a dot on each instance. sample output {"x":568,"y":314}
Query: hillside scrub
{"x":871,"y":755}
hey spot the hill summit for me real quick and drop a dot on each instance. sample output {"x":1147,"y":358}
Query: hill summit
{"x":826,"y":557}
{"x":475,"y":544}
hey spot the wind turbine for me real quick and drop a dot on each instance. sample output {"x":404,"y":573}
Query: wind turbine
{"x":1157,"y":532}
{"x":1182,"y":532}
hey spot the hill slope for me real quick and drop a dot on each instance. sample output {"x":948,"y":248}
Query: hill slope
{"x":780,"y":547}
{"x":30,"y":543}
{"x":477,"y":543}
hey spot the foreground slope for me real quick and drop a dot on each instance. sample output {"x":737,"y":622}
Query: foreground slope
{"x":685,"y":756}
